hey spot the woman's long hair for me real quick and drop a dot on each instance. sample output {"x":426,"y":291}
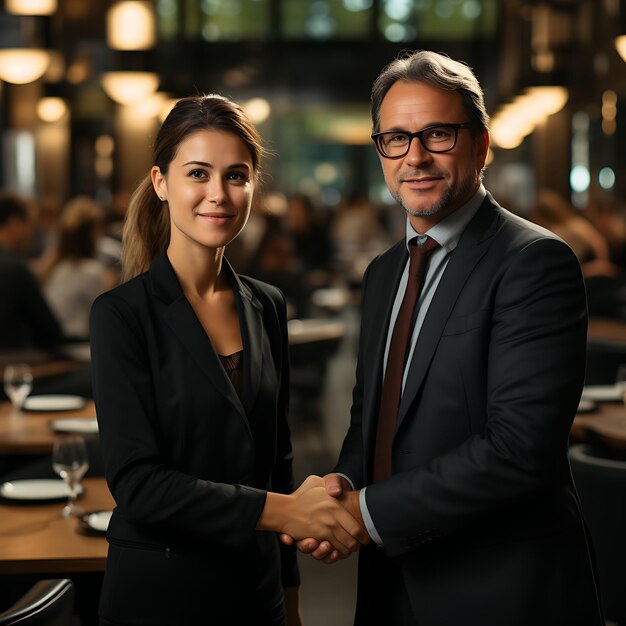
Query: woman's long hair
{"x":146,"y":231}
{"x":77,"y":233}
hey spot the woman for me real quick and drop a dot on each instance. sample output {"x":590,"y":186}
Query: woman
{"x":73,"y":276}
{"x":191,"y":385}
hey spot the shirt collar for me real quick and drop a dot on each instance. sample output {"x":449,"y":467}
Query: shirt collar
{"x":448,"y":232}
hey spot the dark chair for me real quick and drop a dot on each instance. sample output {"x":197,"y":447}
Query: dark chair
{"x":603,"y":361}
{"x":601,"y":486}
{"x":308,"y":365}
{"x":47,"y":603}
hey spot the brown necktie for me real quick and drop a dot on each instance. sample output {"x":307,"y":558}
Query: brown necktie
{"x":396,"y":359}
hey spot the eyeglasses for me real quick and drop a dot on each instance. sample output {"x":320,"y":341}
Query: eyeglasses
{"x":393,"y":144}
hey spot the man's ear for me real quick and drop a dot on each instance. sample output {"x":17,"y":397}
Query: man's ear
{"x":484,"y":146}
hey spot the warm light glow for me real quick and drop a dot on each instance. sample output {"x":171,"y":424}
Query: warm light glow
{"x":257,"y":109}
{"x":129,"y":87}
{"x":78,"y":71}
{"x":152,"y":106}
{"x":56,"y":70}
{"x":516,"y":120}
{"x":550,"y":99}
{"x":23,"y":65}
{"x":620,"y":45}
{"x":104,"y":145}
{"x":505,"y":134}
{"x":168,"y":105}
{"x":30,"y":7}
{"x":51,"y":109}
{"x":130,"y":26}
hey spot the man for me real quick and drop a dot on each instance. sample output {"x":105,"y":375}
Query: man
{"x":456,"y":458}
{"x":25,"y":318}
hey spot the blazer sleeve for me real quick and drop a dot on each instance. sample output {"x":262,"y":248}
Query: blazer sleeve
{"x":282,"y":475}
{"x":144,"y":488}
{"x":535,"y":370}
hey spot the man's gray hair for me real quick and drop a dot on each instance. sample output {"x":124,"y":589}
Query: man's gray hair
{"x":436,"y":70}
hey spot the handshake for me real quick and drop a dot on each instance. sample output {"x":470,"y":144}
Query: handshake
{"x":322,"y":517}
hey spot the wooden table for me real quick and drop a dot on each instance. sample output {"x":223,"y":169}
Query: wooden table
{"x":29,"y":432}
{"x":35,"y":539}
{"x":608,"y":421}
{"x":606,"y":330}
{"x":44,"y":364}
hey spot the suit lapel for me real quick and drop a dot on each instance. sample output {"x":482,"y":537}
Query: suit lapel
{"x":253,"y":336}
{"x":382,"y":296}
{"x":182,"y":320}
{"x":472,"y":246}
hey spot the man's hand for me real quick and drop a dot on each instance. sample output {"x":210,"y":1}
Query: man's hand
{"x":337,"y":487}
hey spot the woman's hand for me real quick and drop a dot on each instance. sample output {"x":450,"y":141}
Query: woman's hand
{"x":311,"y":512}
{"x":338,"y":487}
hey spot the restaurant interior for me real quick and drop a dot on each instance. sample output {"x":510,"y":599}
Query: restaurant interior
{"x":84,"y":87}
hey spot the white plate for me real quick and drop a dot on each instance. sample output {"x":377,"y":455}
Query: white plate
{"x":75,"y":425}
{"x":98,"y":521}
{"x":586,"y":406}
{"x":603,"y":393}
{"x":54,"y":403}
{"x":36,"y":489}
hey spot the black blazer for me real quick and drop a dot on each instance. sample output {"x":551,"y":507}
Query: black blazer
{"x":480,"y":511}
{"x":187,"y":461}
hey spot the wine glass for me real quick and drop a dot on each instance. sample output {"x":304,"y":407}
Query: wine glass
{"x":18,"y":383}
{"x":70,"y":462}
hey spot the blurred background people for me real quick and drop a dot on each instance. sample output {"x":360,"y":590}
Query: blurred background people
{"x":357,"y":235}
{"x":553,"y":212}
{"x":309,"y":232}
{"x":278,"y":263}
{"x":25,"y":318}
{"x":74,"y":276}
{"x":610,"y":223}
{"x":604,"y":279}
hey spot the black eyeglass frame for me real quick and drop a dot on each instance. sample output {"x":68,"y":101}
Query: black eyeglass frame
{"x":456,"y":127}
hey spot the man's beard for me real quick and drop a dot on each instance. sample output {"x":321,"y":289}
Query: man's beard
{"x":450,"y":197}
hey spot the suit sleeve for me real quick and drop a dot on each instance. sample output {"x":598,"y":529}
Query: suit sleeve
{"x":144,"y":488}
{"x":536,"y":360}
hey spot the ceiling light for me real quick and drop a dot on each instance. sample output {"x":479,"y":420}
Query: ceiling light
{"x":130,"y":26}
{"x":129,"y":87}
{"x":23,"y":65}
{"x":30,"y":7}
{"x":51,"y":109}
{"x":257,"y":109}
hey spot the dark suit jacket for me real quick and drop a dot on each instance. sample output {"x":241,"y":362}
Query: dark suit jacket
{"x":187,"y":460}
{"x":480,"y":512}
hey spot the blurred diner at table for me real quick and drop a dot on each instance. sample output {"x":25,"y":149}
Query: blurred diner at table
{"x":72,"y":274}
{"x":25,"y":318}
{"x":605,"y":279}
{"x":29,"y":330}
